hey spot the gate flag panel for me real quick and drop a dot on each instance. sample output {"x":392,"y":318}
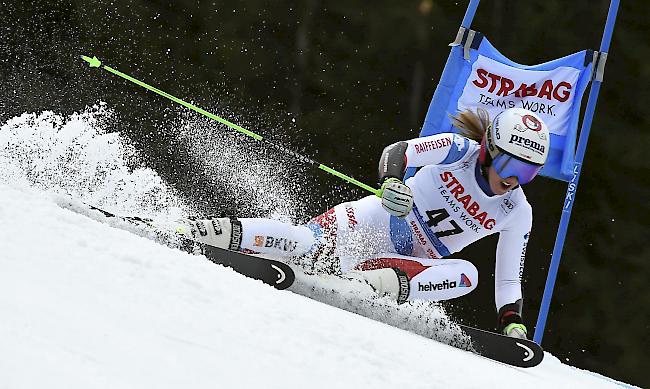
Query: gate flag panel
{"x":478,"y":75}
{"x":485,"y":78}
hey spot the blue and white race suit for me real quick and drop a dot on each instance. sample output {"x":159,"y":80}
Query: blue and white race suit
{"x":453,"y":207}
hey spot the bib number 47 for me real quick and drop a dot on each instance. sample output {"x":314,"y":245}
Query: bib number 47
{"x":437,"y":216}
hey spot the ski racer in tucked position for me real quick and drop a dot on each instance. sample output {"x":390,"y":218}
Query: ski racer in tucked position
{"x":438,"y":194}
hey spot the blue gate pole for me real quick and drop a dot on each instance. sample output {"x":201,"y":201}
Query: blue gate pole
{"x":469,"y":13}
{"x":573,"y":185}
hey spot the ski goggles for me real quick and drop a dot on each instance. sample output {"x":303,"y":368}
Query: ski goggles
{"x":508,"y":166}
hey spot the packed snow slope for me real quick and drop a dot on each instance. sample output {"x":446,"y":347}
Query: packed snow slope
{"x":87,"y":305}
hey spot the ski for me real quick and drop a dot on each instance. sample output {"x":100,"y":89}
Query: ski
{"x":274,"y":273}
{"x":501,"y":348}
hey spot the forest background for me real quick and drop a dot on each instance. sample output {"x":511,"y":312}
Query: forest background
{"x":338,"y":81}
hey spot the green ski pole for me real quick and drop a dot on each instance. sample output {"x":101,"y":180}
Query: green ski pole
{"x":96,"y":63}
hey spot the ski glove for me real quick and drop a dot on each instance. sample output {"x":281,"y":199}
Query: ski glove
{"x":516,"y":330}
{"x":396,"y":198}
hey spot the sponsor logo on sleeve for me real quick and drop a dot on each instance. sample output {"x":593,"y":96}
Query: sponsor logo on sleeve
{"x":425,"y":146}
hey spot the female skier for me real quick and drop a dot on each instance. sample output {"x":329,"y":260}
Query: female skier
{"x":438,"y":194}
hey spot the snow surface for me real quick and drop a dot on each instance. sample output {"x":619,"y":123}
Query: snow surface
{"x":86,"y":305}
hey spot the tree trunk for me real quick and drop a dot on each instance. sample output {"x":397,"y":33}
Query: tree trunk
{"x":303,"y":46}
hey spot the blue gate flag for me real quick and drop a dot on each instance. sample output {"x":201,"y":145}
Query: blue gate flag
{"x":478,"y":75}
{"x":565,"y":163}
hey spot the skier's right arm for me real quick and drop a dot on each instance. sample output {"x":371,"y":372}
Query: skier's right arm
{"x":429,"y":150}
{"x":397,"y":198}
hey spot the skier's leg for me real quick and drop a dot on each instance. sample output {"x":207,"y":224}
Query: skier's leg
{"x":357,"y":229}
{"x":360,"y":229}
{"x":276,"y":238}
{"x":428,"y":279}
{"x":251,"y":235}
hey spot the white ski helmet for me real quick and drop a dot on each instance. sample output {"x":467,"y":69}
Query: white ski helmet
{"x":518,"y":143}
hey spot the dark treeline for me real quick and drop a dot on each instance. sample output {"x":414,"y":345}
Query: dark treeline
{"x":339,"y":80}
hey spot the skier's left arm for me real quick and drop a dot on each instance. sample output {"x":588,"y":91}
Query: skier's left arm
{"x":511,"y":254}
